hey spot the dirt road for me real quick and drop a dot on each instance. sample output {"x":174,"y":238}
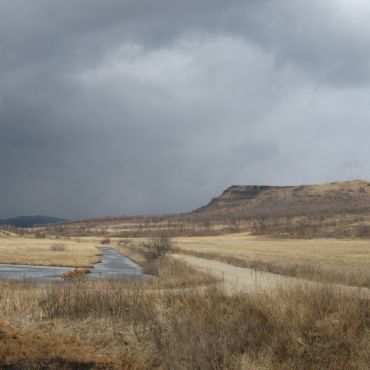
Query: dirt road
{"x":251,"y":280}
{"x":244,"y":278}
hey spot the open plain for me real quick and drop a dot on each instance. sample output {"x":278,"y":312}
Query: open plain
{"x":254,"y":293}
{"x":47,"y":252}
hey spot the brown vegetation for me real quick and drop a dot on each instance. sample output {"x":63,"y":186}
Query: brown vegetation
{"x":327,"y":260}
{"x":300,"y":328}
{"x":303,"y":270}
{"x":153,"y":256}
{"x":26,"y":350}
{"x":172,"y":273}
{"x":157,"y":247}
{"x":75,"y":274}
{"x":48,"y":252}
{"x":58,"y":247}
{"x":140,"y":227}
{"x":340,"y":209}
{"x":158,"y":324}
{"x":314,"y":226}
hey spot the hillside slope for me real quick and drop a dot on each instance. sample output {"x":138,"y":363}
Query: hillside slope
{"x":252,"y":200}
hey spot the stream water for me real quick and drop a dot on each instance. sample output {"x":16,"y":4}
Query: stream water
{"x":112,"y":265}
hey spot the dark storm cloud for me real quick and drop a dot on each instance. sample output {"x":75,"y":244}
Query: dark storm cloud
{"x":121,"y":107}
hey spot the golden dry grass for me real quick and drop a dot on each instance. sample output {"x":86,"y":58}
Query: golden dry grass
{"x":48,"y":252}
{"x":325,"y":251}
{"x":107,"y":339}
{"x":170,"y":273}
{"x":133,"y":326}
{"x":166,"y":272}
{"x":346,"y":261}
{"x":330,"y":260}
{"x":109,"y":324}
{"x":302,"y":328}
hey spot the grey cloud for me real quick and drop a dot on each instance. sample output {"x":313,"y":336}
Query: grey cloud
{"x":126,"y":107}
{"x":327,"y":39}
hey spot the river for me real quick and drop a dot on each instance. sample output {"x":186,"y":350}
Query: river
{"x":112,"y":265}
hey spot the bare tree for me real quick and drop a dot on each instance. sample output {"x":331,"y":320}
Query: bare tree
{"x":157,"y":247}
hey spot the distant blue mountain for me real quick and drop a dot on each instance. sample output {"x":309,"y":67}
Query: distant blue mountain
{"x":29,"y":221}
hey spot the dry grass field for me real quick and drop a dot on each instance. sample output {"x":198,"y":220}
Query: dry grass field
{"x":114,"y":325}
{"x":167,"y":322}
{"x":329,"y":260}
{"x":48,"y":252}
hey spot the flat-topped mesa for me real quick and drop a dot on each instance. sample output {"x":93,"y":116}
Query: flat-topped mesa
{"x":260,"y":199}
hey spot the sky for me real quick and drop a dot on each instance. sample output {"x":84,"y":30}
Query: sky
{"x":126,"y":107}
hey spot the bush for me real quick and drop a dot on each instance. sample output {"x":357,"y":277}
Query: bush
{"x":75,"y":274}
{"x":124,"y":242}
{"x":105,"y":241}
{"x":157,"y":247}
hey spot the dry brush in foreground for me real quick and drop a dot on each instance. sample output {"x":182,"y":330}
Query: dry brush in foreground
{"x":130,"y":327}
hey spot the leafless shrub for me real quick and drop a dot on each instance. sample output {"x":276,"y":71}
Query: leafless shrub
{"x":157,"y":247}
{"x":105,"y":241}
{"x":124,"y":242}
